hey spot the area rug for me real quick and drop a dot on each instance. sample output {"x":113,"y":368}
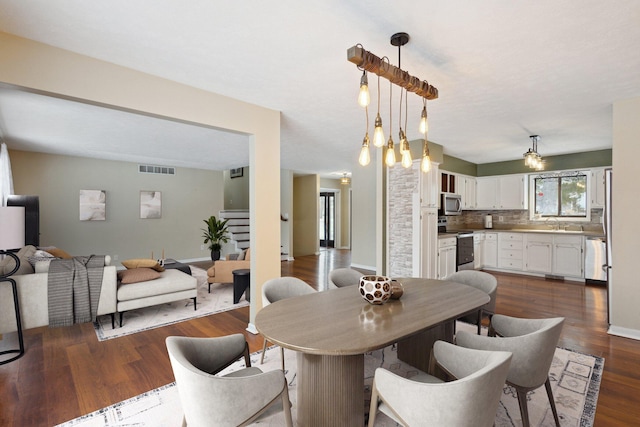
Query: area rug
{"x":575,"y":379}
{"x":220,"y":299}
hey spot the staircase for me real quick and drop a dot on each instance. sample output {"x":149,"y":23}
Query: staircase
{"x":240,"y":230}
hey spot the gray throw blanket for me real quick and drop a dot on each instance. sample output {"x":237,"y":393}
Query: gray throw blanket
{"x":74,"y":289}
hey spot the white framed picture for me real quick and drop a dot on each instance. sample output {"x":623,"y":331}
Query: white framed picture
{"x":93,"y":205}
{"x":150,"y":204}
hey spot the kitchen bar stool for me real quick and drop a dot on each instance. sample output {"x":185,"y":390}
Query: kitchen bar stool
{"x":14,"y":286}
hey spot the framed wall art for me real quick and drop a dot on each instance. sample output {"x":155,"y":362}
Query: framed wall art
{"x":236,"y":173}
{"x":150,"y":204}
{"x":93,"y":205}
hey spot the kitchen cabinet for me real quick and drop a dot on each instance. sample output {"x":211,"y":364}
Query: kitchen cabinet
{"x":478,"y":243}
{"x":539,"y":253}
{"x":446,"y":257}
{"x":501,"y":192}
{"x":429,"y":191}
{"x":568,"y":258}
{"x":510,"y":251}
{"x":597,"y":188}
{"x":467,"y":191}
{"x":447,"y":182}
{"x":428,"y":243}
{"x":490,"y":250}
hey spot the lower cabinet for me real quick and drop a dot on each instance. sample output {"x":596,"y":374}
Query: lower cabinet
{"x":446,"y":257}
{"x":539,"y":249}
{"x":490,"y":250}
{"x":510,"y":251}
{"x":568,"y":256}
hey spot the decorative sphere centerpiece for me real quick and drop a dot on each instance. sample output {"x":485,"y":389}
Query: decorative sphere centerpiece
{"x":375,"y":289}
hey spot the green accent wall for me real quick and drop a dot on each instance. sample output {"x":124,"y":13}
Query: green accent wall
{"x":588,"y":159}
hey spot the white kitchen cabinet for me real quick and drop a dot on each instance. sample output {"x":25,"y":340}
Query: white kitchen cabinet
{"x":568,"y":258}
{"x":490,"y":250}
{"x":510,"y":251}
{"x":429,"y":190}
{"x":446,"y":257}
{"x":597,"y":188}
{"x":467,"y":189}
{"x":539,"y":253}
{"x":478,"y":243}
{"x":428,"y":243}
{"x":501,"y":192}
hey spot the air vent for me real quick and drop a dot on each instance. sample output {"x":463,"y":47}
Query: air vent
{"x":162,"y":170}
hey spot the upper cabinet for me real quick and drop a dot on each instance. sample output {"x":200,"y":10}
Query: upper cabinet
{"x":501,"y":192}
{"x":597,"y":188}
{"x":448,"y":183}
{"x":429,"y":191}
{"x":467,"y":189}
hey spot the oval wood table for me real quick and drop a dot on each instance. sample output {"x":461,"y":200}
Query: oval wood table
{"x":331,"y":331}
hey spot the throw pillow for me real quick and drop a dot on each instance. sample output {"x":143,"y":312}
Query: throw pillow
{"x":56,"y":252}
{"x":23,"y":255}
{"x":142,"y":263}
{"x":240,"y":256}
{"x":40,"y":255}
{"x":135,"y":275}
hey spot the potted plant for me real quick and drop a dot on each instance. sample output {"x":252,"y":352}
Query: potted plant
{"x":215,"y":235}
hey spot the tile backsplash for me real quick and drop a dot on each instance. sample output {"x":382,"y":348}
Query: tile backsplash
{"x":514,"y":219}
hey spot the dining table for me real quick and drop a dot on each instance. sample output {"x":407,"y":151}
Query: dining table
{"x":332,"y":330}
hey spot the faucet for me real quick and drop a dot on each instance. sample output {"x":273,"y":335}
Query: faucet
{"x":555,"y":226}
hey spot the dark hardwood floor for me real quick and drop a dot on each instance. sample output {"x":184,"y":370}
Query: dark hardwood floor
{"x":66,"y":372}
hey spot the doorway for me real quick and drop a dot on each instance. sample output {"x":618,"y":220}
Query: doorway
{"x":327,"y":220}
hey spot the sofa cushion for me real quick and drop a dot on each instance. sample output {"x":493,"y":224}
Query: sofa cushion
{"x":8,"y":263}
{"x":142,"y":262}
{"x":56,"y":252}
{"x":135,"y":275}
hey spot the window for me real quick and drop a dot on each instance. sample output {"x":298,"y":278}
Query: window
{"x":561,"y":196}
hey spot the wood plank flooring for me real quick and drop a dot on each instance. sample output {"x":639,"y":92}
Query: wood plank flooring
{"x":66,"y":372}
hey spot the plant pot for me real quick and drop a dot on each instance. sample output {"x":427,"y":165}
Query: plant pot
{"x":215,"y":255}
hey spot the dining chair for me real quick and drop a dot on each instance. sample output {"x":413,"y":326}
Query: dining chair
{"x":341,"y":277}
{"x":278,"y":289}
{"x":533,"y":344}
{"x":235,"y":399}
{"x":484,"y":282}
{"x":471,"y":399}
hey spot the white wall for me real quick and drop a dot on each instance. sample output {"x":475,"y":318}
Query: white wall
{"x":625,"y":287}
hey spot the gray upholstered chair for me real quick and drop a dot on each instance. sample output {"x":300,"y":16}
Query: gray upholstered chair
{"x":281,"y":288}
{"x":341,"y":277}
{"x":484,"y":282}
{"x":469,"y":400}
{"x":236,"y":399}
{"x":533,"y":344}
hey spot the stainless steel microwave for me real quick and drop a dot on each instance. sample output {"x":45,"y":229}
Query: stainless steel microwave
{"x":451,"y":204}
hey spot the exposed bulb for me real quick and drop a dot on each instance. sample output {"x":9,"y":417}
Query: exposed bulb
{"x":363,"y":97}
{"x":365,"y":157}
{"x":424,"y":124}
{"x":425,"y":165}
{"x":407,"y":161}
{"x":378,"y":133}
{"x":390,"y":157}
{"x":403,"y":140}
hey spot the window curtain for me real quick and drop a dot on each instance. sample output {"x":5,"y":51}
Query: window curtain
{"x":6,"y":179}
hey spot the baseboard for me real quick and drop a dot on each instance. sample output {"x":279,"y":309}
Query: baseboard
{"x":624,"y":332}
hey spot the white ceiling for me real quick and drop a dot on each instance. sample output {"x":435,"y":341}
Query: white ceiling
{"x":504,"y":70}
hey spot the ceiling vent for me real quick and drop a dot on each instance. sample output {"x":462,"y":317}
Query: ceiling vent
{"x":162,"y":170}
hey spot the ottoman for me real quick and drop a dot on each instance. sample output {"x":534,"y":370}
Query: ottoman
{"x":172,"y":285}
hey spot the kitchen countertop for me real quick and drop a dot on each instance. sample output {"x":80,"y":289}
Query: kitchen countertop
{"x":526,"y":230}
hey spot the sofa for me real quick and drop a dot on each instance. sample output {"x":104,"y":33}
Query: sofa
{"x":222,"y":270}
{"x":33,"y":293}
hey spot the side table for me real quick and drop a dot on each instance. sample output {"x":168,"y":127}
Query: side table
{"x":241,"y":283}
{"x":16,"y":303}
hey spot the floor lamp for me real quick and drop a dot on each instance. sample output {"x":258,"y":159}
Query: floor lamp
{"x":12,"y":238}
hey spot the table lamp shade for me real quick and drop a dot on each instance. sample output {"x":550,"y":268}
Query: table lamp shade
{"x":12,"y":227}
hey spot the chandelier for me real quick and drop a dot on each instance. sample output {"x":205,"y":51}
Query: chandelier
{"x":368,"y":62}
{"x":531,"y":157}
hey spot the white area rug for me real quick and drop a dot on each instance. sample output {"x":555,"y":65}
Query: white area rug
{"x":220,"y":299}
{"x":575,"y":379}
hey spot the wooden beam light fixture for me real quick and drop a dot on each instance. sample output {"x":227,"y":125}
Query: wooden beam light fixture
{"x":367,"y":61}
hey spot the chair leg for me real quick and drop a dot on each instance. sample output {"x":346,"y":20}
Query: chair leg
{"x":373,"y":407}
{"x":195,"y":304}
{"x":479,"y":322}
{"x":547,"y":385}
{"x":282,"y":357}
{"x":522,"y":401}
{"x":113,"y":320}
{"x":121,"y":313}
{"x":286,"y":405}
{"x":264,"y":348}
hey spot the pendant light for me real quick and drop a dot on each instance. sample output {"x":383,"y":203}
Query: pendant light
{"x":405,"y":149}
{"x":378,"y":132}
{"x":424,"y":124}
{"x":531,"y":158}
{"x":390,"y":156}
{"x":425,"y":164}
{"x":365,"y":157}
{"x":363,"y":96}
